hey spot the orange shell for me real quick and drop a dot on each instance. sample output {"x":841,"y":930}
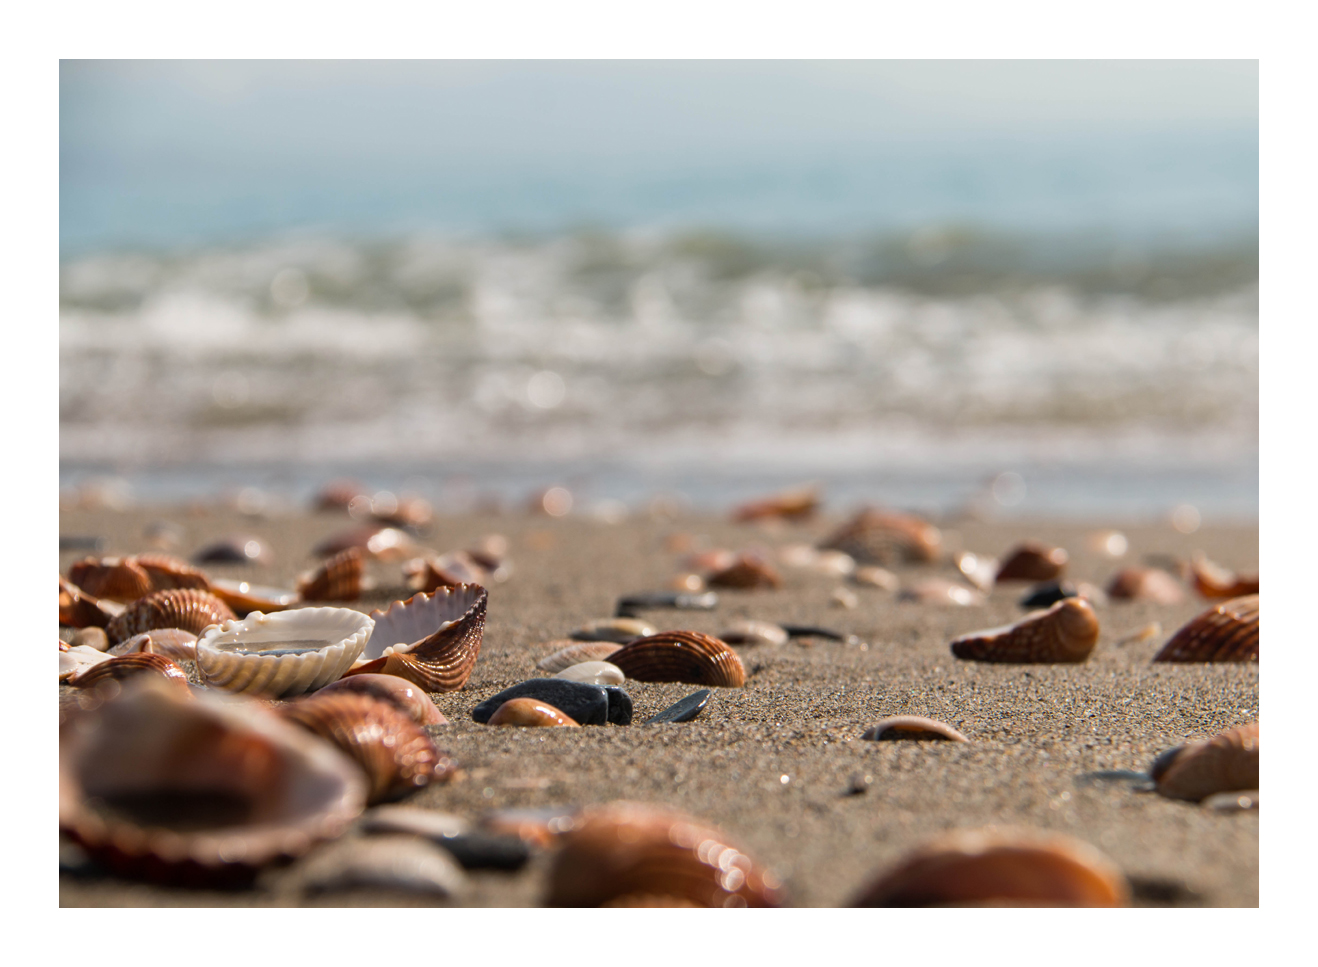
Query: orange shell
{"x":429,"y":573}
{"x":747,"y":571}
{"x":439,"y":660}
{"x":1066,"y":632}
{"x":167,"y":571}
{"x":1033,"y":561}
{"x":338,"y":579}
{"x":1226,"y":632}
{"x":1145,"y":584}
{"x":114,"y":578}
{"x":912,"y":727}
{"x":1214,"y":581}
{"x":879,"y":537}
{"x":185,"y":608}
{"x":78,"y":609}
{"x":681,"y":656}
{"x":529,"y":712}
{"x":126,"y":666}
{"x":790,"y":504}
{"x":1227,"y":762}
{"x":398,"y":692}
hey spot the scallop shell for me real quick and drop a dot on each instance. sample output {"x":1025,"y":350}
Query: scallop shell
{"x":204,"y":790}
{"x":1000,"y":867}
{"x":623,"y":849}
{"x":399,"y":692}
{"x":167,"y":571}
{"x":1213,"y":581}
{"x":80,"y":610}
{"x":396,"y":754}
{"x":876,"y":536}
{"x":1033,"y":561}
{"x":1145,"y":584}
{"x":575,"y":653}
{"x":113,"y":578}
{"x":531,"y":712}
{"x":1066,"y":632}
{"x":1228,"y":762}
{"x":245,"y":597}
{"x":912,"y":727}
{"x":794,"y":504}
{"x":282,"y":654}
{"x":681,"y":656}
{"x":338,"y":579}
{"x":1227,"y":632}
{"x":172,"y":643}
{"x":432,"y":640}
{"x":185,"y":608}
{"x":127,"y":666}
{"x":748,"y":631}
{"x":747,"y":571}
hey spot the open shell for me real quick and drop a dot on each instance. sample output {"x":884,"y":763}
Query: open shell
{"x":77,"y":609}
{"x":1066,"y":632}
{"x":282,"y":654}
{"x":167,"y":572}
{"x":1214,"y":581}
{"x":1033,"y":561}
{"x":338,"y":579}
{"x":681,"y":656}
{"x":1227,"y":762}
{"x":575,"y":653}
{"x":433,"y":571}
{"x":1226,"y":632}
{"x":529,"y":712}
{"x":432,"y":640}
{"x":128,"y":666}
{"x":186,"y":608}
{"x":1145,"y":584}
{"x":398,"y":692}
{"x":880,"y":537}
{"x":912,"y":727}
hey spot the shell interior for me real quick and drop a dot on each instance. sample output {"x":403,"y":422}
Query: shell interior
{"x":286,"y":653}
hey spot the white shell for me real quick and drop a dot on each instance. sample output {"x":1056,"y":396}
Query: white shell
{"x":79,"y":657}
{"x":413,"y":820}
{"x":328,"y":640}
{"x":593,"y":673}
{"x":384,"y":862}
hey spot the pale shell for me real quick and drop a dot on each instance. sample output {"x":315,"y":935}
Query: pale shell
{"x":1228,"y":762}
{"x":593,"y":673}
{"x":1066,"y":632}
{"x":575,"y":653}
{"x":173,"y":643}
{"x":432,"y":640}
{"x":395,"y":862}
{"x":749,"y":631}
{"x":936,"y":591}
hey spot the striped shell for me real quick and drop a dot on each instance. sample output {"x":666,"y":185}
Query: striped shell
{"x":681,"y":656}
{"x":1145,"y":584}
{"x":530,"y":712}
{"x":624,"y":849}
{"x":127,"y":666}
{"x":396,"y":754}
{"x":1000,"y":867}
{"x":575,"y":653}
{"x":1227,"y":762}
{"x":1227,"y":632}
{"x":398,"y":692}
{"x":1032,"y":561}
{"x":880,"y":537}
{"x":912,"y":727}
{"x":747,"y":571}
{"x":185,"y":608}
{"x":338,"y":579}
{"x":432,"y":640}
{"x":1213,"y":581}
{"x":113,"y":578}
{"x":1066,"y":632}
{"x":167,"y":571}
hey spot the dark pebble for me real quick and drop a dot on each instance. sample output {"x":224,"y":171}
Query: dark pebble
{"x":683,"y":711}
{"x":486,"y":851}
{"x":586,"y":704}
{"x":629,"y":604}
{"x":810,"y":631}
{"x":1048,"y":594}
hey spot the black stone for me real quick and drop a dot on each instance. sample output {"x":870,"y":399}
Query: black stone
{"x":810,"y":631}
{"x":620,"y":705}
{"x":486,"y":851}
{"x":683,"y":711}
{"x":1048,"y":594}
{"x":586,"y":704}
{"x":629,"y":604}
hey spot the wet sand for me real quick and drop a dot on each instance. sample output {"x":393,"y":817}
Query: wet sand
{"x":772,"y":763}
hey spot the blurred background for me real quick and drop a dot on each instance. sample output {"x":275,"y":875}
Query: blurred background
{"x":1012,"y":288}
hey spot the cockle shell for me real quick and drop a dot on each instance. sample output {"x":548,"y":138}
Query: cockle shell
{"x":681,"y":656}
{"x":172,"y":643}
{"x":112,"y":578}
{"x":1226,"y":632}
{"x":287,"y":653}
{"x":128,"y":666}
{"x":794,"y":504}
{"x":912,"y":727}
{"x":1214,"y":581}
{"x":1000,"y":867}
{"x":529,"y":712}
{"x":338,"y":579}
{"x":80,"y":610}
{"x":1032,"y":561}
{"x":876,"y":536}
{"x":186,"y":608}
{"x":747,"y":571}
{"x":626,"y":848}
{"x":432,"y":640}
{"x":748,"y":631}
{"x":575,"y":653}
{"x":385,"y":543}
{"x":207,"y":790}
{"x":1227,"y":762}
{"x":78,"y":658}
{"x":399,"y":692}
{"x":1066,"y":632}
{"x":1145,"y":584}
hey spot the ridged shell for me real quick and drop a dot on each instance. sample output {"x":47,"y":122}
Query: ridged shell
{"x":167,"y":572}
{"x":396,"y":754}
{"x":172,"y":643}
{"x":399,"y":692}
{"x":1214,"y":581}
{"x":114,"y":578}
{"x":127,"y":666}
{"x":751,"y":632}
{"x":432,"y":640}
{"x":912,"y":727}
{"x":880,"y":537}
{"x":1227,"y":762}
{"x":77,"y":659}
{"x":681,"y":656}
{"x":1000,"y":867}
{"x":338,"y":579}
{"x":1226,"y":632}
{"x":80,"y":610}
{"x":201,"y":791}
{"x":1145,"y":584}
{"x":1033,"y":561}
{"x":1066,"y":632}
{"x":529,"y":712}
{"x":185,"y":608}
{"x":575,"y":653}
{"x":747,"y":571}
{"x":624,"y":849}
{"x":791,"y":504}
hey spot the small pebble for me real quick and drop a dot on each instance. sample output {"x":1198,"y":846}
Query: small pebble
{"x":91,"y":638}
{"x":684,"y":710}
{"x":1047,"y":594}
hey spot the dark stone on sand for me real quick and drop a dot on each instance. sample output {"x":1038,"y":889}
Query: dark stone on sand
{"x":586,"y":704}
{"x":629,"y":604}
{"x":810,"y":631}
{"x":1048,"y":594}
{"x":486,"y":851}
{"x":683,"y":711}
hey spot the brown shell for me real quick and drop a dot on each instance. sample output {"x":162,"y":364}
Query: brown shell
{"x":880,"y":537}
{"x":624,"y":849}
{"x":167,"y":571}
{"x":385,"y":543}
{"x":1145,"y":584}
{"x":530,"y":712}
{"x":681,"y":656}
{"x":78,"y":609}
{"x":172,"y":643}
{"x":1226,"y":632}
{"x":441,"y":660}
{"x":575,"y":652}
{"x":789,"y":505}
{"x":1227,"y":762}
{"x":912,"y":727}
{"x":185,"y":608}
{"x":428,"y":574}
{"x":399,"y":692}
{"x":126,"y":666}
{"x":397,"y":755}
{"x":113,"y":578}
{"x":747,"y":571}
{"x":338,"y":579}
{"x":1213,"y":581}
{"x":338,"y":494}
{"x":1066,"y":632}
{"x":938,"y":591}
{"x":1033,"y":561}
{"x":1000,"y":867}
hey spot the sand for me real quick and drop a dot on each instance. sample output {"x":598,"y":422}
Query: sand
{"x":772,"y":763}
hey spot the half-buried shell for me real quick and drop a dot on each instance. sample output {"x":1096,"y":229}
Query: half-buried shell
{"x":1228,"y":762}
{"x":1226,"y":632}
{"x":1145,"y":584}
{"x":399,"y":692}
{"x":1032,"y":561}
{"x":529,"y":712}
{"x":876,"y":536}
{"x":1066,"y":632}
{"x":912,"y":728}
{"x":338,"y":579}
{"x":681,"y":656}
{"x":575,"y":653}
{"x":128,"y":666}
{"x":432,"y":640}
{"x":747,"y":571}
{"x":187,"y":608}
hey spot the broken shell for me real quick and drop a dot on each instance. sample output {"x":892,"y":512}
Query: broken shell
{"x":1227,"y":632}
{"x":399,"y":692}
{"x":203,"y":790}
{"x":1228,"y":762}
{"x":999,"y":867}
{"x":432,"y":640}
{"x":529,"y":712}
{"x":1145,"y":584}
{"x":1033,"y":561}
{"x":747,"y":571}
{"x":1214,"y":581}
{"x":748,"y":631}
{"x":873,"y":576}
{"x":128,"y":666}
{"x":575,"y":653}
{"x":880,"y":537}
{"x":80,"y":610}
{"x":626,"y":848}
{"x":593,"y":673}
{"x":282,"y":654}
{"x":620,"y":630}
{"x":244,"y":598}
{"x":939,"y":591}
{"x":172,"y":643}
{"x":112,"y":578}
{"x":383,"y":863}
{"x":681,"y":656}
{"x":1066,"y":632}
{"x":234,"y":550}
{"x":912,"y":727}
{"x":338,"y":579}
{"x":186,"y":608}
{"x":794,"y":504}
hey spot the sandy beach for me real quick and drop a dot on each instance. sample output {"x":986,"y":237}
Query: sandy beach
{"x":772,"y":763}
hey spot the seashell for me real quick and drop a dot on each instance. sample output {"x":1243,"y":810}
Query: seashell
{"x":938,"y":591}
{"x":1145,"y":584}
{"x":629,"y":604}
{"x":1108,"y":543}
{"x":337,"y":494}
{"x":1000,"y":867}
{"x":1233,"y":802}
{"x":1032,"y":561}
{"x":127,"y":666}
{"x":80,"y":610}
{"x":1066,"y":632}
{"x":876,"y":536}
{"x":912,"y":727}
{"x":112,"y":578}
{"x":794,"y":504}
{"x":415,"y":820}
{"x":399,"y":692}
{"x":715,"y":559}
{"x":687,"y":582}
{"x":620,"y":630}
{"x":396,"y":754}
{"x":92,"y":637}
{"x":978,"y":569}
{"x":238,"y":549}
{"x":78,"y":658}
{"x":748,"y":631}
{"x":400,"y":512}
{"x":844,"y":598}
{"x":432,"y":640}
{"x":282,"y":654}
{"x":172,"y":643}
{"x":185,"y":608}
{"x":163,"y":534}
{"x":244,"y":598}
{"x":1227,"y":632}
{"x":338,"y":579}
{"x":681,"y":656}
{"x":747,"y":571}
{"x":1142,"y":634}
{"x":383,"y":863}
{"x":873,"y":576}
{"x":575,"y":653}
{"x":539,"y":827}
{"x":530,"y":712}
{"x":683,"y":710}
{"x":202,"y":790}
{"x":1228,"y":762}
{"x":1214,"y":581}
{"x":385,"y":543}
{"x":593,"y":673}
{"x":627,"y":848}
{"x":430,"y":573}
{"x":167,"y":571}
{"x":587,"y":704}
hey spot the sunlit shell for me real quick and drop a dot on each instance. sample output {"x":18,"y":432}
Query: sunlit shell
{"x":980,"y":570}
{"x":200,"y":791}
{"x":748,"y":631}
{"x":432,"y":640}
{"x":431,"y":572}
{"x":794,"y":504}
{"x":681,"y":656}
{"x":92,"y":637}
{"x":112,"y":578}
{"x":287,"y":653}
{"x":914,"y":728}
{"x":593,"y":673}
{"x":185,"y":608}
{"x":1066,"y":632}
{"x":873,"y":576}
{"x":747,"y":571}
{"x":936,"y":591}
{"x":244,"y":597}
{"x":1226,"y":632}
{"x":624,"y":849}
{"x":1214,"y":581}
{"x":396,"y":753}
{"x":172,"y":643}
{"x":1000,"y":867}
{"x":394,"y":862}
{"x":1227,"y":762}
{"x":1145,"y":584}
{"x":74,"y":660}
{"x":1033,"y":561}
{"x":80,"y":610}
{"x":385,"y":543}
{"x":575,"y":653}
{"x":127,"y":666}
{"x":399,"y":692}
{"x":620,"y":630}
{"x":881,"y":537}
{"x":237,"y":549}
{"x":529,"y":712}
{"x":167,"y":572}
{"x":416,"y":820}
{"x":338,"y":579}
